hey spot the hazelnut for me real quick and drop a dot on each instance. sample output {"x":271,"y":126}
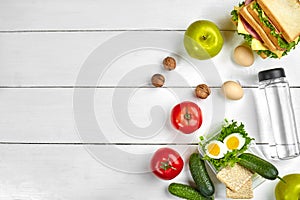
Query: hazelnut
{"x":158,"y":80}
{"x":169,"y":63}
{"x":202,"y":91}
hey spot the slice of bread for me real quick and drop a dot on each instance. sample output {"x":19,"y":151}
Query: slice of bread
{"x":266,"y":29}
{"x":245,"y":192}
{"x":285,"y":15}
{"x":263,"y":55}
{"x":248,"y":17}
{"x":234,"y":177}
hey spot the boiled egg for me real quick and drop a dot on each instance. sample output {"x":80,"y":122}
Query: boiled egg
{"x":234,"y":141}
{"x":215,"y":149}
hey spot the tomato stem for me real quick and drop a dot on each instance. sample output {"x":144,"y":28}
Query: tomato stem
{"x":165,"y":165}
{"x":187,"y":115}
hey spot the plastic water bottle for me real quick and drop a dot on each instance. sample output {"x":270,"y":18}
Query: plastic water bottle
{"x":284,"y":139}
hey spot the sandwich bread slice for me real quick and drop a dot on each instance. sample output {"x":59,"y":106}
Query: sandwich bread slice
{"x":271,"y":27}
{"x":256,"y":25}
{"x":255,"y":14}
{"x":285,"y":15}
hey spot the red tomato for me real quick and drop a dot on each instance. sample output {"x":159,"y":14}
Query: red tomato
{"x":166,"y":163}
{"x":186,"y":117}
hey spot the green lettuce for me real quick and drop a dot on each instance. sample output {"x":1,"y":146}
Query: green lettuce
{"x":268,"y":53}
{"x":234,"y":15}
{"x":281,"y":42}
{"x":230,"y":158}
{"x":248,"y":38}
{"x":264,"y":19}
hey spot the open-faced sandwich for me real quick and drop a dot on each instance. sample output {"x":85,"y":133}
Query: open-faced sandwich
{"x":221,"y":151}
{"x":230,"y":154}
{"x":270,"y":27}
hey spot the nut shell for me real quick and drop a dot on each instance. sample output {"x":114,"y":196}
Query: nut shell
{"x":202,"y":91}
{"x":169,"y":63}
{"x":158,"y":80}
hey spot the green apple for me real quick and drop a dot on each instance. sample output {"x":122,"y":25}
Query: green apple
{"x":203,"y":40}
{"x":289,"y":188}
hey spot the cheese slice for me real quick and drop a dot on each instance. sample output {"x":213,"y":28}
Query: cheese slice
{"x":241,"y":28}
{"x":278,"y":53}
{"x":257,"y":45}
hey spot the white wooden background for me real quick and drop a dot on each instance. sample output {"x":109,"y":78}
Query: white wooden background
{"x":43,"y":45}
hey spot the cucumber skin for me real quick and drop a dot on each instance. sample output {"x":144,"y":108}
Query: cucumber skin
{"x":258,"y":165}
{"x":200,"y":175}
{"x":186,"y":192}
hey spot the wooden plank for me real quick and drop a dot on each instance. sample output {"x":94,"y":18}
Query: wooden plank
{"x":140,"y":116}
{"x":70,"y":172}
{"x":55,"y":59}
{"x":111,"y":15}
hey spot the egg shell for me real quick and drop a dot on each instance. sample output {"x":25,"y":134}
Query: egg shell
{"x":232,"y":90}
{"x":243,"y":56}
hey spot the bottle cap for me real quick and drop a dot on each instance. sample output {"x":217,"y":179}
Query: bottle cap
{"x":271,"y":74}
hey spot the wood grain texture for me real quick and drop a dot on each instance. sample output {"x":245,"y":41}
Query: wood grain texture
{"x":49,"y":116}
{"x":61,"y":172}
{"x":55,"y":59}
{"x":61,"y":140}
{"x":111,"y":15}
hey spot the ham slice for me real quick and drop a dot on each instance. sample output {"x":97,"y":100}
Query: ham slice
{"x":247,"y":2}
{"x":249,"y":29}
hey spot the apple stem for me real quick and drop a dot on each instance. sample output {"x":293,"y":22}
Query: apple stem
{"x":204,"y":37}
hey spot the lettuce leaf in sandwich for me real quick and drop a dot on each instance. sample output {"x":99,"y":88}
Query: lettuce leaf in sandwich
{"x":252,"y":37}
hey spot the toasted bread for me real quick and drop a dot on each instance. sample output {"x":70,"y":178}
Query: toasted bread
{"x":263,"y":55}
{"x":245,"y":192}
{"x":285,"y":15}
{"x":248,"y":17}
{"x":234,"y":177}
{"x":266,"y":29}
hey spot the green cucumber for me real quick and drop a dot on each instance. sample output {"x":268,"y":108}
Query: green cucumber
{"x":186,"y":192}
{"x":259,"y":166}
{"x":200,"y":175}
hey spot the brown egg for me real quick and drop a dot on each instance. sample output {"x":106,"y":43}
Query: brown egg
{"x":243,"y":56}
{"x":232,"y":90}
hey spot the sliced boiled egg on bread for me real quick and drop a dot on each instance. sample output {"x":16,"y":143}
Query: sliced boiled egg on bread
{"x":234,"y":141}
{"x":215,"y":149}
